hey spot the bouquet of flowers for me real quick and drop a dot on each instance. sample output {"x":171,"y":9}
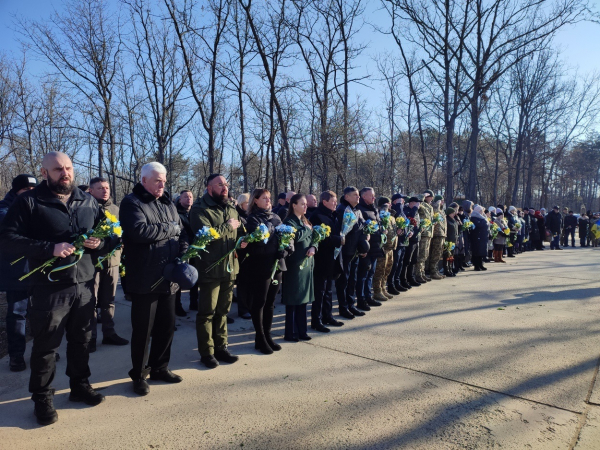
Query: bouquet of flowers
{"x":449,"y":246}
{"x":204,"y":236}
{"x":402,"y":223}
{"x":101,"y":260}
{"x":468,"y":225}
{"x":285,"y":236}
{"x":437,"y":218}
{"x":371,"y":227}
{"x":108,"y":227}
{"x":260,"y":234}
{"x":494,"y":230}
{"x":348,"y":221}
{"x":319,"y":234}
{"x":425,"y":224}
{"x":518,"y":225}
{"x":506,"y":231}
{"x":385,"y":218}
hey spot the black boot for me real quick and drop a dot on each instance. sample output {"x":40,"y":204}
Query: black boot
{"x":85,"y":393}
{"x":44,"y":409}
{"x":267,"y":323}
{"x":261,"y":344}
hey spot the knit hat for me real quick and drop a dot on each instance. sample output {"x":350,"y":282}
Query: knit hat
{"x":492,"y":209}
{"x":478,"y":209}
{"x":555,"y":207}
{"x":438,"y":197}
{"x":23,"y":181}
{"x":511,"y":209}
{"x":414,"y":199}
{"x":281,"y":196}
{"x":427,"y":193}
{"x":450,"y":210}
{"x":499,"y":212}
{"x":454,"y":205}
{"x":382,"y":201}
{"x":396,"y":197}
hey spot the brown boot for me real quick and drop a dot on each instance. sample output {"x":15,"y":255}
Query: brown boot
{"x":436,"y":275}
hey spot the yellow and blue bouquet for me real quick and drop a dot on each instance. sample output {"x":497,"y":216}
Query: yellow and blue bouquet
{"x":349,"y":219}
{"x":371,"y":227}
{"x":425,"y":224}
{"x":468,"y":225}
{"x":260,"y":234}
{"x":437,"y":218}
{"x":285,"y":236}
{"x":319,"y":234}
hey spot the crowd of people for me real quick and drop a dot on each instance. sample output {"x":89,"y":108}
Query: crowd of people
{"x":368,"y":248}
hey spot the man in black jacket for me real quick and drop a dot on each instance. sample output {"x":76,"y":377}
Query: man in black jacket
{"x":355,"y":246}
{"x":39,"y":225}
{"x":152,"y":238}
{"x":16,"y":292}
{"x":367,"y":264}
{"x":394,"y":282}
{"x":321,"y":311}
{"x":554,"y":224}
{"x":184,"y":205}
{"x":407,"y":276}
{"x":570,"y":225}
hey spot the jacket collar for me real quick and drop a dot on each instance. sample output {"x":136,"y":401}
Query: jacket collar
{"x":325,"y":210}
{"x":362,"y":203}
{"x":210,"y":202}
{"x":146,"y":197}
{"x":43,"y":193}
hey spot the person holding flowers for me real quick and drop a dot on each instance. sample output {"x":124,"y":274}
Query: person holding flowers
{"x":426,"y":214}
{"x":326,"y":265}
{"x":153,"y":237}
{"x":402,"y":230}
{"x":107,"y":272}
{"x":451,"y":239}
{"x":385,"y":262}
{"x":217,"y":269}
{"x":479,"y":237}
{"x":500,"y":231}
{"x":438,"y":236}
{"x":298,"y":284}
{"x":39,"y":226}
{"x":407,"y":276}
{"x":257,"y":263}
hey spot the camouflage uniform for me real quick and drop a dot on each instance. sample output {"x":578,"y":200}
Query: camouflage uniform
{"x":385,"y":263}
{"x":437,"y":242}
{"x":425,"y":212}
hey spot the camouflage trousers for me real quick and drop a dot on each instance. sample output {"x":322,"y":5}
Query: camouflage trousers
{"x":436,"y":252}
{"x":382,"y":271}
{"x":423,"y":255}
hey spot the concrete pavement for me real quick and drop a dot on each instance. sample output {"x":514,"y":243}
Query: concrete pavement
{"x":506,"y":358}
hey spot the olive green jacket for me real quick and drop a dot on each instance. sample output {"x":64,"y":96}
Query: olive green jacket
{"x":206,"y":212}
{"x":426,"y":212}
{"x":439,"y":229}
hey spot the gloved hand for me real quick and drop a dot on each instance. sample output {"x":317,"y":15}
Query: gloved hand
{"x":174,"y":229}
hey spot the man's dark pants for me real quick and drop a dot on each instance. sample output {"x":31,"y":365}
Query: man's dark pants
{"x":346,"y":283}
{"x":410,"y":259}
{"x":152,"y":315}
{"x":54,"y":309}
{"x":105,"y":289}
{"x":16,"y":314}
{"x":394,"y":276}
{"x":364,"y":277}
{"x":323,"y":304}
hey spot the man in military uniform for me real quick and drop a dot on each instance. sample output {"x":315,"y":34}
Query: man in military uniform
{"x":437,"y":240}
{"x":425,"y":212}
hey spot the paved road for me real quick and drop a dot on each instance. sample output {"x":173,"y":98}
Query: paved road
{"x":502,"y":359}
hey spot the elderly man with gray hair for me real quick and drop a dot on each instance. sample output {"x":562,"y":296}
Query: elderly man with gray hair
{"x":153,"y":237}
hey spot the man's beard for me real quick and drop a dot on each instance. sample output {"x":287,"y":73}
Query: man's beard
{"x":59,"y":188}
{"x":221,"y":199}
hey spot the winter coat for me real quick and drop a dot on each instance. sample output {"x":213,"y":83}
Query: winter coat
{"x":554,"y":222}
{"x":324,"y":262}
{"x":298,"y":285}
{"x":370,"y":212}
{"x":355,"y":240}
{"x":584,"y":225}
{"x":10,"y":274}
{"x":451,"y":230}
{"x":479,"y":236}
{"x":501,"y":238}
{"x":37,"y":220}
{"x":426,"y":212}
{"x":258,"y":258}
{"x":207,"y":212}
{"x":534,"y":231}
{"x":512,"y":220}
{"x":413,"y":213}
{"x":439,"y":229}
{"x":243,"y":218}
{"x":398,"y":209}
{"x":541,"y":222}
{"x":570,"y":222}
{"x":153,"y":236}
{"x":114,"y":260}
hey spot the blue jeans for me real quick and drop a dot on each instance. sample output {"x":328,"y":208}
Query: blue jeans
{"x":15,"y":322}
{"x":364,"y":277}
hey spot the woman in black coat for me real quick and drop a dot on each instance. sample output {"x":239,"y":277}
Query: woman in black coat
{"x":584,"y":225}
{"x":243,"y":307}
{"x":257,"y":262}
{"x":479,"y":237}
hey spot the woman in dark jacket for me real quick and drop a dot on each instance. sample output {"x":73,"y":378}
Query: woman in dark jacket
{"x":479,"y":237}
{"x":243,"y":307}
{"x":584,"y":224}
{"x":451,"y":237}
{"x":257,"y":264}
{"x":298,"y":284}
{"x":541,"y":222}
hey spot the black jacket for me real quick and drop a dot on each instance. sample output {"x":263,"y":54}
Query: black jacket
{"x":10,"y":274}
{"x":184,"y":216}
{"x":451,"y":229}
{"x":584,"y":225}
{"x":370,"y":212}
{"x":356,"y":240}
{"x":479,"y":236}
{"x":37,"y":221}
{"x":534,"y":231}
{"x":554,"y":221}
{"x":258,"y":258}
{"x":570,"y":222}
{"x":413,"y":213}
{"x":153,"y":236}
{"x":325,"y":265}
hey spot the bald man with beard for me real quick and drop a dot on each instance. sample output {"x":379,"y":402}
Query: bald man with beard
{"x":39,"y":225}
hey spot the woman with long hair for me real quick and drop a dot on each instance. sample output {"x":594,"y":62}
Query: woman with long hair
{"x":298,"y":285}
{"x":257,"y":264}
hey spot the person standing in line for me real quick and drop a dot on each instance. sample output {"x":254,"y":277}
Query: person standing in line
{"x":184,"y":205}
{"x":39,"y":225}
{"x":298,"y":283}
{"x":153,"y":237}
{"x":479,"y":237}
{"x":500,"y":240}
{"x":240,"y":297}
{"x":425,"y":212}
{"x":312,"y":203}
{"x":280,"y":202}
{"x":214,"y":209}
{"x":569,"y":228}
{"x":407,"y":276}
{"x":385,"y":262}
{"x":107,"y":276}
{"x":584,"y":225}
{"x":325,"y":264}
{"x":451,"y":237}
{"x":438,"y":237}
{"x":554,"y":222}
{"x":283,"y":211}
{"x":394,"y":283}
{"x":16,"y":292}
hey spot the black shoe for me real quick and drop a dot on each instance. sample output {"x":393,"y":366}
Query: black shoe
{"x":44,"y":410}
{"x":355,"y":311}
{"x":114,"y":339}
{"x":414,"y":283}
{"x":230,"y":320}
{"x":346,"y":314}
{"x":332,"y":322}
{"x":274,"y":346}
{"x":246,"y":316}
{"x":306,"y":337}
{"x":321,"y":328}
{"x":260,"y":344}
{"x":392,"y":290}
{"x":362,"y":305}
{"x":223,"y":355}
{"x":165,"y":375}
{"x":140,"y":387}
{"x":477,"y":269}
{"x":290,"y":339}
{"x":559,"y":248}
{"x":91,"y":348}
{"x":86,"y":394}
{"x":17,"y":364}
{"x":179,"y":311}
{"x":406,"y":285}
{"x":483,"y":267}
{"x":372,"y":302}
{"x":209,"y":361}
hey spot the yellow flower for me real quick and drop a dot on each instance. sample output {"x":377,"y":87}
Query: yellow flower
{"x":327,"y":229}
{"x":110,"y":216}
{"x":214,"y":233}
{"x":118,"y":231}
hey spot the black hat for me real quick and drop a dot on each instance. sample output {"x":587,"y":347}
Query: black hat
{"x":382,"y":201}
{"x":396,"y":197}
{"x":23,"y":181}
{"x":428,"y":193}
{"x":414,"y":199}
{"x":450,"y":210}
{"x":281,"y":196}
{"x":183,"y":274}
{"x":555,"y":207}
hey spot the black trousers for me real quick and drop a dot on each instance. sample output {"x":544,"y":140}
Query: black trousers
{"x":152,"y":315}
{"x":260,"y":294}
{"x":295,"y":321}
{"x":323,"y":305}
{"x":397,"y":265}
{"x":345,"y":285}
{"x":243,"y":292}
{"x":410,"y":259}
{"x":193,"y":296}
{"x":16,"y":319}
{"x":54,"y":310}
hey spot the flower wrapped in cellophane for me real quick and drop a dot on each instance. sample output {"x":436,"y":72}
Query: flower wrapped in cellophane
{"x":494,"y":230}
{"x":349,"y":219}
{"x":449,"y":246}
{"x":260,"y":234}
{"x":285,"y":237}
{"x":319,"y":234}
{"x":468,"y":225}
{"x":385,"y":218}
{"x":371,"y":227}
{"x":107,"y":227}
